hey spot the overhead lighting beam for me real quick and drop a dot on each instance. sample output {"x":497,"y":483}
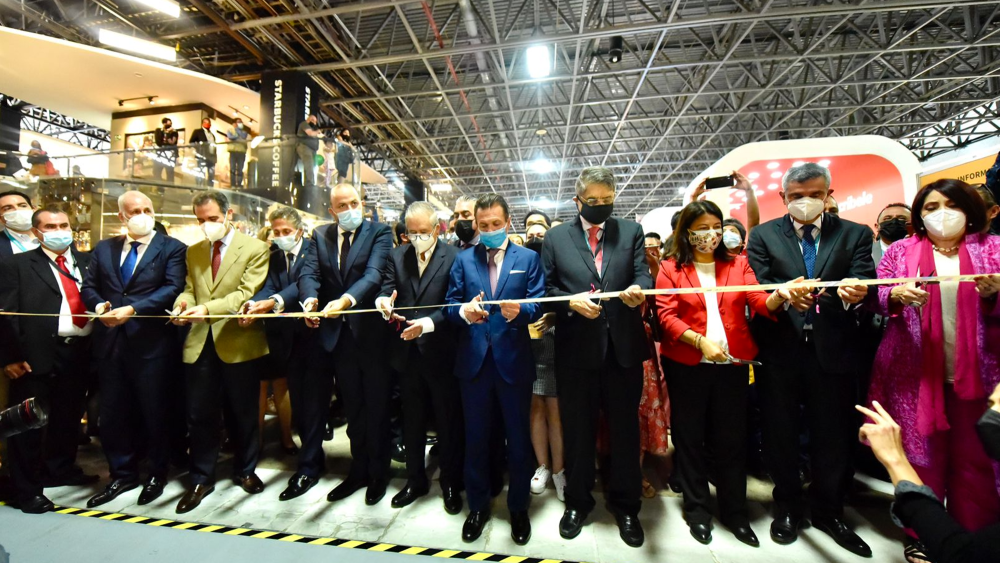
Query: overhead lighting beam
{"x":136,"y":45}
{"x":168,"y":7}
{"x":539,"y":61}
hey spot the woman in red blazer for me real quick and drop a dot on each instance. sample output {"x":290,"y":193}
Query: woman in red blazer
{"x":703,"y":335}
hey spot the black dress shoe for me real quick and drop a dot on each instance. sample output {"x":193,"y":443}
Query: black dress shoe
{"x":744,"y":533}
{"x":409,"y":494}
{"x":571,"y":523}
{"x":111,"y":492}
{"x":345,"y":489}
{"x":474,"y":525}
{"x":297,"y":486}
{"x":398,"y":452}
{"x":843,"y":535}
{"x":250,"y":483}
{"x":375,"y":492}
{"x":290,"y":450}
{"x":630,"y":529}
{"x":452,"y":499}
{"x":152,"y":490}
{"x":328,"y":432}
{"x":37,"y":504}
{"x":785,"y":528}
{"x":70,"y":480}
{"x":701,"y":532}
{"x":193,"y":498}
{"x":520,"y":527}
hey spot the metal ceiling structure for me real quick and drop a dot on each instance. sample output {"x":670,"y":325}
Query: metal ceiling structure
{"x":440,"y":90}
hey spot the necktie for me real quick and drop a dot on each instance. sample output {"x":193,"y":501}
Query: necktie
{"x":491,"y":266}
{"x":128,"y":267}
{"x":290,"y":257}
{"x":345,"y":249}
{"x":595,"y":247}
{"x":216,"y":258}
{"x":72,"y":294}
{"x":809,"y":249}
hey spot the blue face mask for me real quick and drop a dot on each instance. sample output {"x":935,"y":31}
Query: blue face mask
{"x":57,"y":241}
{"x":350,"y":219}
{"x":493,"y":239}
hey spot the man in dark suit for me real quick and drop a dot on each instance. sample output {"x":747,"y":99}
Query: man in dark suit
{"x":811,"y":356}
{"x":466,"y":228}
{"x":495,"y":365}
{"x":139,"y":273}
{"x":15,"y":215}
{"x":343,"y":269}
{"x":47,"y":358}
{"x":599,"y":349}
{"x":423,"y":352}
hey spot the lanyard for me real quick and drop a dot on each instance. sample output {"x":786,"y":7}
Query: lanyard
{"x":64,"y":272}
{"x":15,"y":241}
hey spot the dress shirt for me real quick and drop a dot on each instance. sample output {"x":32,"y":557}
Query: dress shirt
{"x":66,"y":326}
{"x":498,"y":260}
{"x":226,"y":240}
{"x":143,"y":245}
{"x":21,"y":243}
{"x":883,"y":245}
{"x":715,"y":330}
{"x":384,"y":303}
{"x":279,"y":303}
{"x":948,"y":266}
{"x":586,"y":229}
{"x":818,"y":223}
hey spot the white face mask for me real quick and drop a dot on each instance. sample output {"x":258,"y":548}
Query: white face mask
{"x":285,"y":243}
{"x":806,"y":209}
{"x":945,"y":222}
{"x":420,"y":244}
{"x":18,"y":219}
{"x":731,"y":240}
{"x":214,"y":231}
{"x":140,"y":225}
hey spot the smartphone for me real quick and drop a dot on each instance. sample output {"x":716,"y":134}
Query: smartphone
{"x":720,"y":182}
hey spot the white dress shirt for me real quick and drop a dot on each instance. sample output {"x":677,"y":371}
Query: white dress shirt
{"x":385,"y":304}
{"x":948,"y":266}
{"x":279,"y":303}
{"x":66,"y":326}
{"x":21,"y":243}
{"x":818,"y":223}
{"x":226,"y":240}
{"x":143,"y":245}
{"x":715,"y":330}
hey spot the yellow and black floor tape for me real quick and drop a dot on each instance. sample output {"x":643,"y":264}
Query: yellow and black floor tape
{"x":281,"y":536}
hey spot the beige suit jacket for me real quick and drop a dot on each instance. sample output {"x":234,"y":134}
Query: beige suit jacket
{"x":241,"y":275}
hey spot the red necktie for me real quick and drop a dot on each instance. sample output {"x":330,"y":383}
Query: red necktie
{"x":595,"y":248}
{"x":216,"y":258}
{"x":72,"y":294}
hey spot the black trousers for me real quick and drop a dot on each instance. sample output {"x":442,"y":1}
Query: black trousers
{"x":787,"y":380}
{"x":708,"y":405}
{"x":214,"y":387}
{"x":427,"y":393}
{"x":310,"y":390}
{"x":51,"y":450}
{"x":134,"y":412}
{"x":236,"y":162}
{"x":583,"y":393}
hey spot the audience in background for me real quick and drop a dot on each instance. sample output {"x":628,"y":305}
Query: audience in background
{"x":237,"y":135}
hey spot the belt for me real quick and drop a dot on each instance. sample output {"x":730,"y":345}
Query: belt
{"x":69,"y":340}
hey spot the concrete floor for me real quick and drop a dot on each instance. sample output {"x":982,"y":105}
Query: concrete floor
{"x":56,"y":537}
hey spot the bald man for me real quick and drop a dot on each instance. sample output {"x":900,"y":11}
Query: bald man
{"x":138,"y":273}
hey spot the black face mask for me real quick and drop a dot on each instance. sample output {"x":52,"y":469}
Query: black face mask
{"x":988,"y":428}
{"x":596,"y":214}
{"x":534,"y":244}
{"x":892,"y":230}
{"x":464,"y":230}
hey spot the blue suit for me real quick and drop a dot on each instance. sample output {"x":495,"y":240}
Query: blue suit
{"x":495,"y":366}
{"x":283,"y":334}
{"x":133,"y":358}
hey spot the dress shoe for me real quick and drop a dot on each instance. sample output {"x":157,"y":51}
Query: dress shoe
{"x":843,"y":535}
{"x":70,"y":480}
{"x":250,"y":483}
{"x":111,"y":492}
{"x":434,"y":451}
{"x":474,"y":524}
{"x":37,"y":504}
{"x":398,"y":452}
{"x":152,"y":489}
{"x":328,"y":432}
{"x":701,"y":532}
{"x":345,"y":489}
{"x":520,"y":527}
{"x":744,"y":533}
{"x":290,"y":450}
{"x":409,"y":494}
{"x":629,"y":529}
{"x":452,"y":499}
{"x":571,"y":523}
{"x":297,"y":486}
{"x":375,"y":492}
{"x":785,"y":528}
{"x":193,"y":498}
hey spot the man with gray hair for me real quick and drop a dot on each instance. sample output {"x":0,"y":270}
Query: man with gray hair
{"x":596,"y":251}
{"x":809,"y":357}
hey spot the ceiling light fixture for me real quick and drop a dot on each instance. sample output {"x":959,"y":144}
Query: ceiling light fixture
{"x":541,"y":132}
{"x":542,"y":165}
{"x":824,"y":163}
{"x":539,"y":61}
{"x":166,"y":6}
{"x":773,"y":165}
{"x":237,"y":113}
{"x":440,"y":187}
{"x":615,"y":52}
{"x":136,"y":45}
{"x":150,"y":99}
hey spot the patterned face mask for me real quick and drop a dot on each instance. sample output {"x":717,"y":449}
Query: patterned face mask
{"x":705,"y":241}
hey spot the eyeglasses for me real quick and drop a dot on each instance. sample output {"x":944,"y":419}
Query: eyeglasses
{"x":592,"y":201}
{"x":416,"y":236}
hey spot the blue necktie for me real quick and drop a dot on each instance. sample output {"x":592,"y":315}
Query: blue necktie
{"x":809,"y":249}
{"x":128,"y":267}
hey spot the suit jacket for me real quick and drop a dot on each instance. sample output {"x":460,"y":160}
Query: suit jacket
{"x":281,"y":333}
{"x":680,"y":312}
{"x":156,"y":282}
{"x":402,"y":275}
{"x":27,"y":285}
{"x":240,"y":277}
{"x":321,"y":278}
{"x":844,"y":252}
{"x":570,"y":269}
{"x":520,"y":277}
{"x":5,"y":250}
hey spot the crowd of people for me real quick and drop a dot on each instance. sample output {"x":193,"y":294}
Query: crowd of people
{"x":539,"y":390}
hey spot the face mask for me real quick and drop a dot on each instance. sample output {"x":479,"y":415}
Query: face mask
{"x":18,"y":219}
{"x":705,"y":241}
{"x":57,"y":241}
{"x":732,"y":240}
{"x":892,"y":230}
{"x":806,"y":208}
{"x":945,"y":223}
{"x":534,"y":244}
{"x":493,"y":239}
{"x":988,"y":428}
{"x":239,"y":126}
{"x":350,"y":219}
{"x":420,"y":244}
{"x":285,"y":243}
{"x":214,"y":231}
{"x":464,"y":230}
{"x":140,"y":225}
{"x":596,"y":214}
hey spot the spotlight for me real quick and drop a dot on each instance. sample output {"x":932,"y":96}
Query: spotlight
{"x":539,"y":61}
{"x":121,"y":103}
{"x":615,"y":51}
{"x":152,"y":100}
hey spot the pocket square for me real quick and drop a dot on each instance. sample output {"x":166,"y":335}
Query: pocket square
{"x":512,"y":272}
